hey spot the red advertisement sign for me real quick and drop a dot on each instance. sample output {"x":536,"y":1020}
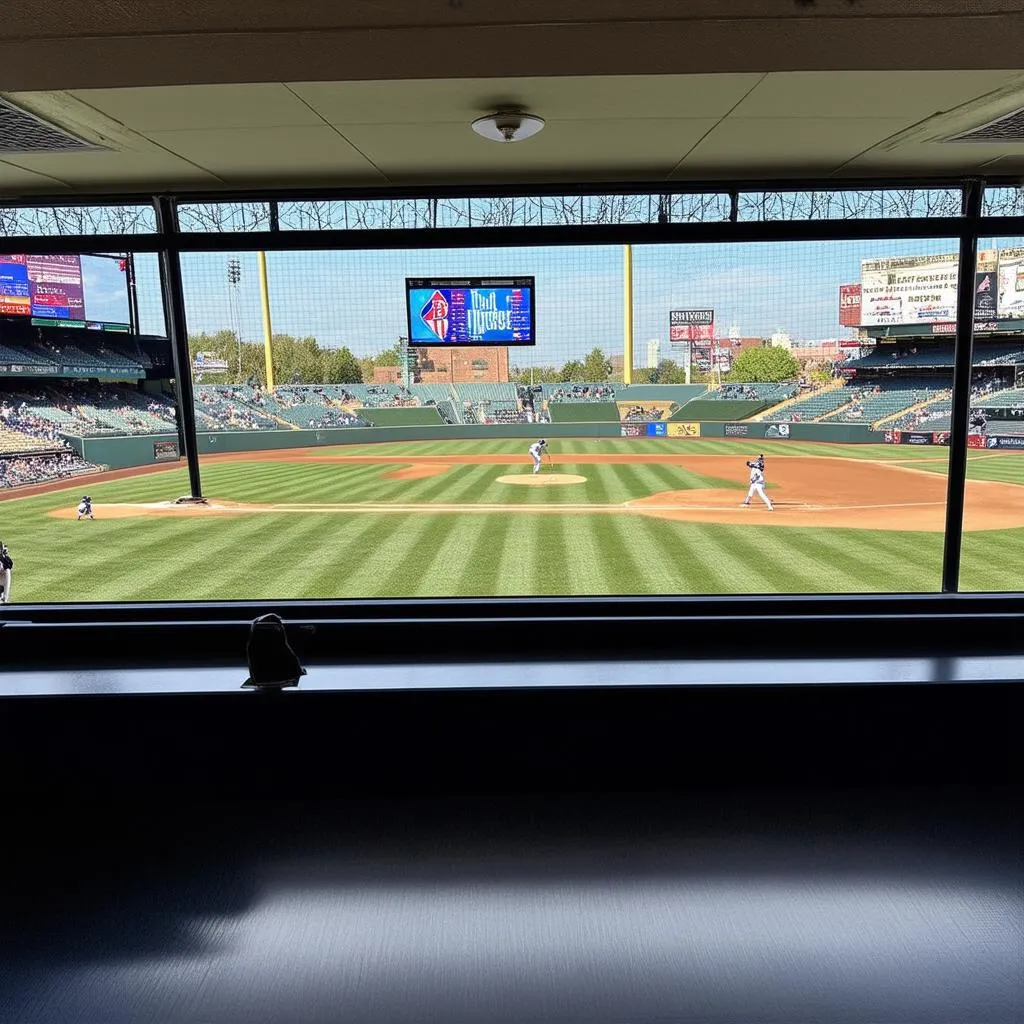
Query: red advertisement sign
{"x":691,"y":325}
{"x":975,"y":440}
{"x":692,"y":332}
{"x":849,"y":305}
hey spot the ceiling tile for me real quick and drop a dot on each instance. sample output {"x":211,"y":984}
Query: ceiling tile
{"x":113,"y":170}
{"x":563,"y":150}
{"x":201,"y":106}
{"x":747,"y":145}
{"x":14,"y":179}
{"x":909,"y":94}
{"x":292,"y":154}
{"x":935,"y":158}
{"x":559,"y":99}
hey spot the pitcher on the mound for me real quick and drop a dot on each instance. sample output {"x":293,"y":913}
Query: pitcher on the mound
{"x":537,"y":452}
{"x":757,"y":484}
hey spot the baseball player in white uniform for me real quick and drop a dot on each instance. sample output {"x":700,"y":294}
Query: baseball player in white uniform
{"x":6,"y":565}
{"x":757,"y":483}
{"x":537,"y":452}
{"x":85,"y":507}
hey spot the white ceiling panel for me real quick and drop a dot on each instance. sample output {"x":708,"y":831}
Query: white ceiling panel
{"x":292,"y":154}
{"x":935,"y":158}
{"x":747,"y":145}
{"x":558,"y":99}
{"x":564,"y":149}
{"x":113,"y":170}
{"x":196,"y":107}
{"x":908,"y":94}
{"x":14,"y":179}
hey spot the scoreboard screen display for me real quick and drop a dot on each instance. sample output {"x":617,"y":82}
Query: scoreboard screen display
{"x":471,"y":311}
{"x":66,"y":291}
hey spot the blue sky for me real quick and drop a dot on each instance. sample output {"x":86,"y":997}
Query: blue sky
{"x":358,"y":298}
{"x":106,"y":290}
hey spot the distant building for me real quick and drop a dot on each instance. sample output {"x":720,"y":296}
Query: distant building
{"x":387,"y":375}
{"x":461,"y":366}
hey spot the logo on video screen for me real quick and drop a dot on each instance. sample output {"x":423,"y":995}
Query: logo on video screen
{"x":435,"y":314}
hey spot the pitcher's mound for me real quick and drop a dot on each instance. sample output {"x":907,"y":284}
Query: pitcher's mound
{"x":542,"y":479}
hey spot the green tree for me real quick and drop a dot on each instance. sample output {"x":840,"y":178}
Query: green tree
{"x":572,"y":372}
{"x":390,"y":356}
{"x":596,"y":368}
{"x":538,"y":374}
{"x":764,"y":365}
{"x":340,"y":366}
{"x":670,"y":372}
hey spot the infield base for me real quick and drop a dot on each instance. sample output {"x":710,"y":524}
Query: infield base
{"x":541,"y":479}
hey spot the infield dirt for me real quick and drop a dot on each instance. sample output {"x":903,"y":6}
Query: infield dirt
{"x":818,"y":491}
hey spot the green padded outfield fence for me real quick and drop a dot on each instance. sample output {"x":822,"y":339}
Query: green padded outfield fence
{"x":712,"y":409}
{"x":124,"y":452}
{"x":414,"y":416}
{"x":584,"y":412}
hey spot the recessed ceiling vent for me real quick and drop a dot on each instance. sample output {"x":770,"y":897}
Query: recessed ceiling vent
{"x":1009,"y":128}
{"x":21,"y":132}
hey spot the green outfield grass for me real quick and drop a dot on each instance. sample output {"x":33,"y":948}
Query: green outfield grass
{"x":424,"y":553}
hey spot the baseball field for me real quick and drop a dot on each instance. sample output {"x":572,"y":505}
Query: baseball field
{"x":468,"y":518}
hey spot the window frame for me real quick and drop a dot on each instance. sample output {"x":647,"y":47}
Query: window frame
{"x":170,"y":242}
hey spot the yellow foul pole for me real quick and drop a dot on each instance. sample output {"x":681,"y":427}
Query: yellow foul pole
{"x":267,"y":330}
{"x":627,"y":314}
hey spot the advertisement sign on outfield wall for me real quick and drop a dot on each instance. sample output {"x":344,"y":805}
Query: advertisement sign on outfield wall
{"x":632,"y":430}
{"x":165,"y":451}
{"x":1001,"y":441}
{"x":908,"y":437}
{"x":737,"y":430}
{"x":942,"y":437}
{"x":779,"y":430}
{"x":684,"y":430}
{"x":656,"y":429}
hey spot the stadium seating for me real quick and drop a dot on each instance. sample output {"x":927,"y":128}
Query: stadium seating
{"x":14,"y":354}
{"x":763,"y":393}
{"x":12,"y":440}
{"x":583,"y":392}
{"x":812,"y":407}
{"x":16,"y":471}
{"x":486,"y":393}
{"x":870,"y":406}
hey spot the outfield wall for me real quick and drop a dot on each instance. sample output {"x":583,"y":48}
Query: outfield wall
{"x":124,"y":452}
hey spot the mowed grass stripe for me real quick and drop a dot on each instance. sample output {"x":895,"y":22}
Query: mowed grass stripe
{"x":992,"y":561}
{"x":197,"y":568}
{"x":439,"y":571}
{"x":479,"y":574}
{"x":106,"y":564}
{"x":371,"y":567}
{"x":295,"y":568}
{"x":518,"y":557}
{"x":458,"y":484}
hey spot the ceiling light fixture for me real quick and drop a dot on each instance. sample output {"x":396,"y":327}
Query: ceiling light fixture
{"x":508,"y":126}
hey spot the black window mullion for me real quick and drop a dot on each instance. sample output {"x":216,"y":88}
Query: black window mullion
{"x":962,"y":363}
{"x":177,"y":331}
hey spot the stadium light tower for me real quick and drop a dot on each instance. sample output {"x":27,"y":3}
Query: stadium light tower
{"x":234,"y":279}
